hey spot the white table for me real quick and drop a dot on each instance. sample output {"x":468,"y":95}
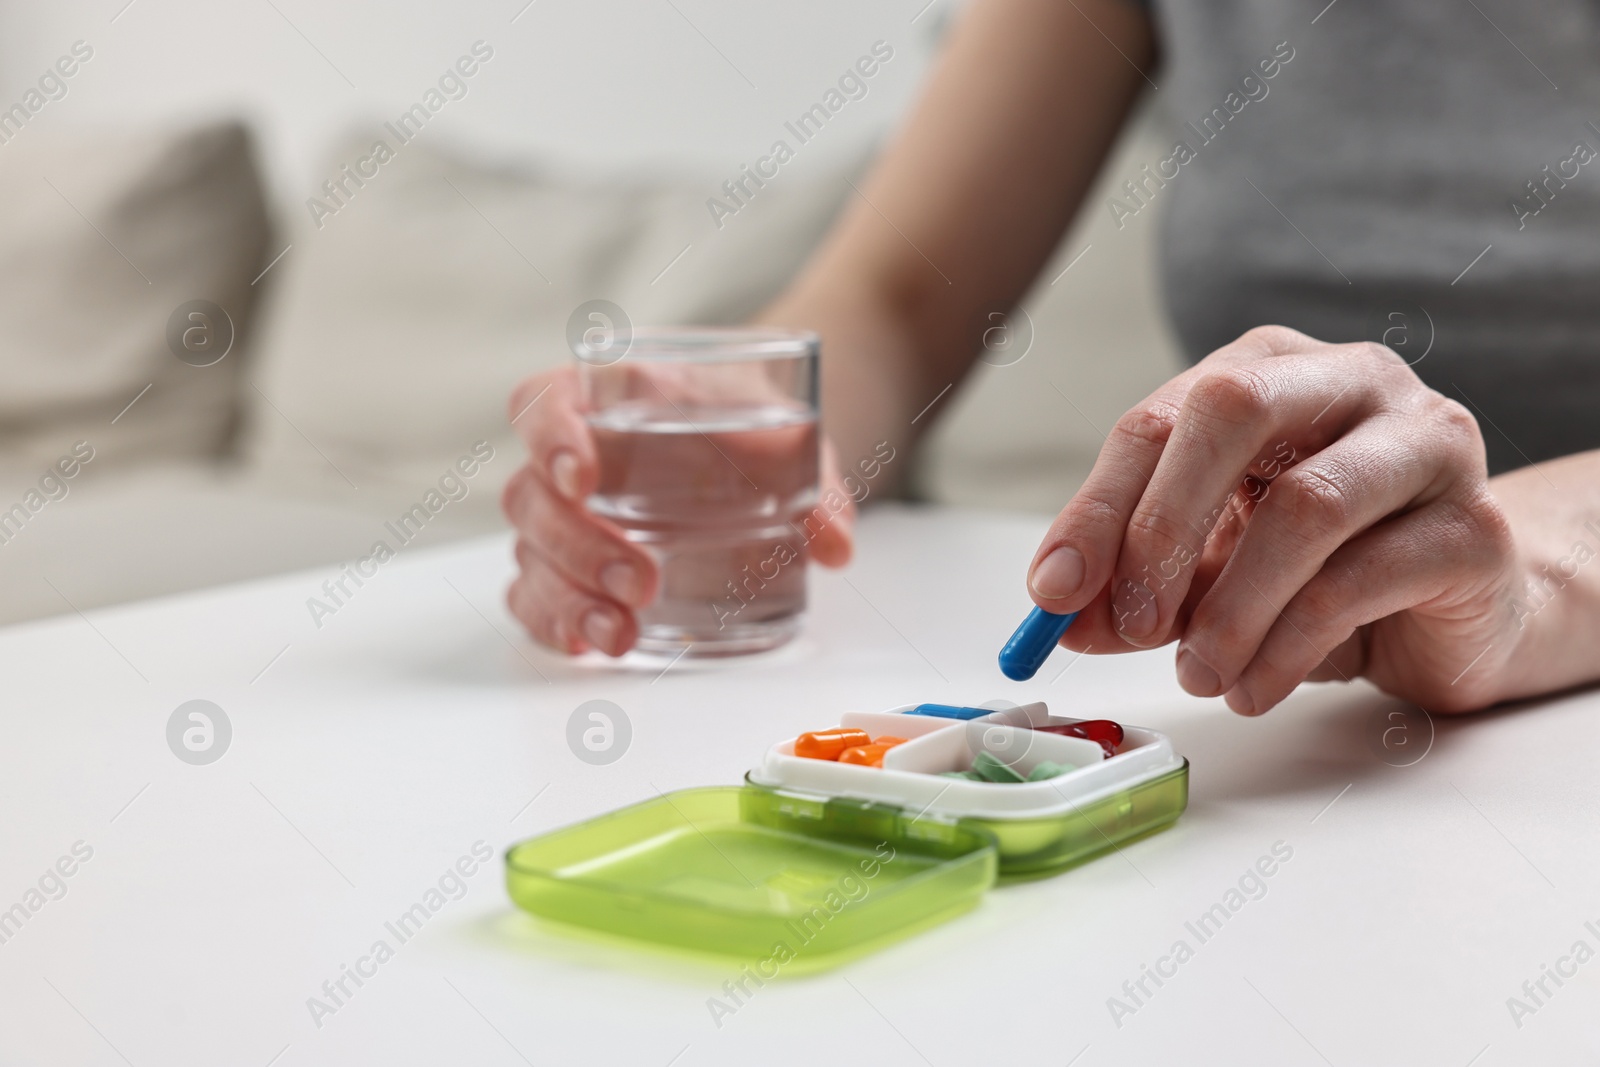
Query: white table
{"x":369,"y":756}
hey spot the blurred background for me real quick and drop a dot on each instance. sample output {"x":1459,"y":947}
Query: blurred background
{"x":358,"y":337}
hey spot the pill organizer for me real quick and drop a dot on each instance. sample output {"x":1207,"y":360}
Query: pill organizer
{"x":812,"y":861}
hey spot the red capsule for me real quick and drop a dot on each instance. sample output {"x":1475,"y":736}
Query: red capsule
{"x":1104,"y":732}
{"x":1101,"y":730}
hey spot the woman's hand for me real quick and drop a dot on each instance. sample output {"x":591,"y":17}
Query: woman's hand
{"x":1289,"y":509}
{"x":582,"y":582}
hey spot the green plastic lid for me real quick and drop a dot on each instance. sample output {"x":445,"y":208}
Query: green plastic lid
{"x":775,"y":879}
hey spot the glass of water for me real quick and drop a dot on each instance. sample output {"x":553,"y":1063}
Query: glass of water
{"x":708,"y":449}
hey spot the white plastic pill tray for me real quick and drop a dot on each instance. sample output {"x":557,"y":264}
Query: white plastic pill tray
{"x":1039,"y":827}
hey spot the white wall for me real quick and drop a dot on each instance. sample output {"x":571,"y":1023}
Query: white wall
{"x":625,"y":85}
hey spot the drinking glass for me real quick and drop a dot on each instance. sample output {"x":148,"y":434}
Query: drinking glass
{"x":708,"y":448}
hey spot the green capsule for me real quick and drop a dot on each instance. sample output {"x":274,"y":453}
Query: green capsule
{"x":989,"y":767}
{"x":1047,"y":770}
{"x":965,"y":776}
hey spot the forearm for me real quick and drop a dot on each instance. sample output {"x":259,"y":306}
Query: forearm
{"x":964,"y":206}
{"x":873,"y":384}
{"x":1554,"y":510}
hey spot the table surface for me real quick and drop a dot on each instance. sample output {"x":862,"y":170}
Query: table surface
{"x":368,"y":756}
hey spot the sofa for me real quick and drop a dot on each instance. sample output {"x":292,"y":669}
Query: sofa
{"x":239,"y":386}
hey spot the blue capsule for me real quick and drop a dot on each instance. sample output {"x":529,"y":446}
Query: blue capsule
{"x":949,"y":711}
{"x":1032,"y":644}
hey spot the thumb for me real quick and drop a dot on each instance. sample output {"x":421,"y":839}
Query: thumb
{"x":833,"y":543}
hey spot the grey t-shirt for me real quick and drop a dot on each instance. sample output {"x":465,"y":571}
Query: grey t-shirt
{"x":1376,"y":187}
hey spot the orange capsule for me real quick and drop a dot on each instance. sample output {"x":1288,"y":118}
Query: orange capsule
{"x":865,"y":755}
{"x":828,"y":744}
{"x":870,"y":755}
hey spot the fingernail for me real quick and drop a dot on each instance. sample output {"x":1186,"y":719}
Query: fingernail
{"x":1058,"y":575}
{"x":600,"y":627}
{"x":623,"y":581}
{"x":1135,"y":610}
{"x":1195,"y":676}
{"x":1239,"y":700}
{"x":564,"y":472}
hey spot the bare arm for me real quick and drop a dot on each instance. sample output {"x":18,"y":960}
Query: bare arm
{"x":1554,"y":600}
{"x":965,"y":206}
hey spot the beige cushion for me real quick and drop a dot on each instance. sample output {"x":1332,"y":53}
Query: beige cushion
{"x":410,"y":313}
{"x":407,"y":317}
{"x":104,"y":234}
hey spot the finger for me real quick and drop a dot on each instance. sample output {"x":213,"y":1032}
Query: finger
{"x":590,"y":552}
{"x":1225,"y":536}
{"x":833,"y":542}
{"x":1078,"y":555}
{"x":1095,"y":628}
{"x":1342,"y":664}
{"x":1244,"y":420}
{"x":1075,"y":559}
{"x":1442,"y":549}
{"x":1093,"y":631}
{"x":1387,"y":464}
{"x":534,"y":612}
{"x":547,"y":413}
{"x":563,"y":616}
